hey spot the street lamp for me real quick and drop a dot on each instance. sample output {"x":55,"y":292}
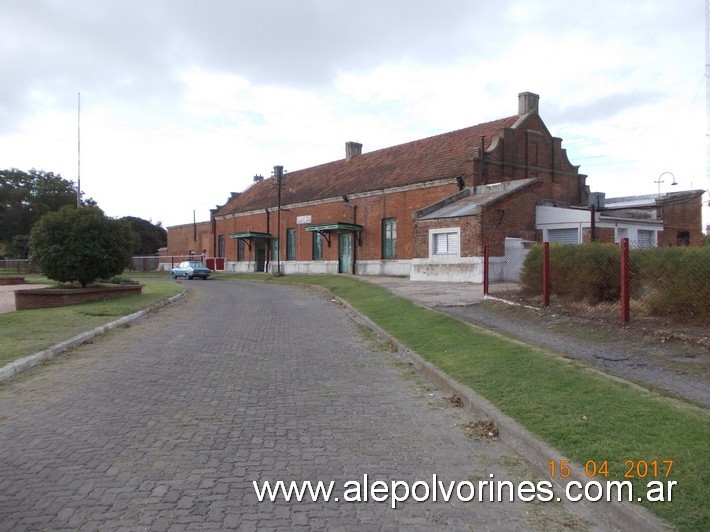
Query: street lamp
{"x":279,"y":176}
{"x":659,"y":181}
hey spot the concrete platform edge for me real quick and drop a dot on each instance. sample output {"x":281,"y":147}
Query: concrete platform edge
{"x":617,"y":515}
{"x":13,"y":368}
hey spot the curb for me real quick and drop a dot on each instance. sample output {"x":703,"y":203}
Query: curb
{"x":614,"y":516}
{"x":13,"y":368}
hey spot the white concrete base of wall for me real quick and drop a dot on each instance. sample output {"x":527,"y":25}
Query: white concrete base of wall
{"x":310,"y":267}
{"x":450,"y":270}
{"x":391,"y":268}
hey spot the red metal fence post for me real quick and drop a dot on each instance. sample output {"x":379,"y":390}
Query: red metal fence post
{"x":546,"y":274}
{"x":485,"y":269}
{"x":625,"y":281}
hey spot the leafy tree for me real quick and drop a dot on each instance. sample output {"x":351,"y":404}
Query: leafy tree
{"x":25,"y":197}
{"x":80,"y":244}
{"x":148,"y":237}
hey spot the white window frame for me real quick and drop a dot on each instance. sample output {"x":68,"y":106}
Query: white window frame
{"x":645,"y":238}
{"x":444,"y":230}
{"x":556,"y":230}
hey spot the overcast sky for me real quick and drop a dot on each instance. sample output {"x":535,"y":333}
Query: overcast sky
{"x":183,"y":102}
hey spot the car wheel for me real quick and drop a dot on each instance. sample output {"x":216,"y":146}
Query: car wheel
{"x":172,"y":274}
{"x":189,"y":277}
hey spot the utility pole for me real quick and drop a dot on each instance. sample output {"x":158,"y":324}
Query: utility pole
{"x":707,"y":90}
{"x":279,"y":176}
{"x":78,"y":151}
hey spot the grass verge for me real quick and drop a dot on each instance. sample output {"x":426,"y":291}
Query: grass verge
{"x":26,"y":332}
{"x":580,"y":412}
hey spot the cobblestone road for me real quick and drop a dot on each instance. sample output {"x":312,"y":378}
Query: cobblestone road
{"x":165,"y":424}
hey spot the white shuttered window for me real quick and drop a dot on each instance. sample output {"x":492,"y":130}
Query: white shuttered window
{"x":563,"y":236}
{"x":446,"y":243}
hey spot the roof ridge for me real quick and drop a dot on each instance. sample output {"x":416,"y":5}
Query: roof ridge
{"x":410,"y":142}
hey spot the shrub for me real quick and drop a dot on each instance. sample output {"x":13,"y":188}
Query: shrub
{"x":667,"y":281}
{"x":673,"y":281}
{"x":589,"y":272}
{"x":80,"y":244}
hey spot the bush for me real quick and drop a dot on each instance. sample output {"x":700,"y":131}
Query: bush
{"x":667,"y":281}
{"x":589,"y":272}
{"x":673,"y":281}
{"x":117,"y":279}
{"x":80,"y":244}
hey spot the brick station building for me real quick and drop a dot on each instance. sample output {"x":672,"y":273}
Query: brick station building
{"x":422,"y":209}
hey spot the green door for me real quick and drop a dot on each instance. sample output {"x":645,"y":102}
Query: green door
{"x":260,"y":252}
{"x":345,"y":254}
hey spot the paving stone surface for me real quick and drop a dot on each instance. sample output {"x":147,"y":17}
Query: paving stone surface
{"x":165,"y":424}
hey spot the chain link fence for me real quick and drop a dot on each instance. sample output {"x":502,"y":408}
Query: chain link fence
{"x":17,"y":266}
{"x":618,"y":282}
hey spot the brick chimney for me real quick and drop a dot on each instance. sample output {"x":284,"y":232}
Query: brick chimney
{"x":352,"y":149}
{"x":528,"y":102}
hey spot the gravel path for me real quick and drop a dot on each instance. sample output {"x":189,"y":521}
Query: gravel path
{"x":631,"y":354}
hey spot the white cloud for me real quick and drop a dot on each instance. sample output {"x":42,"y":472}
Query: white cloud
{"x":183,"y":103}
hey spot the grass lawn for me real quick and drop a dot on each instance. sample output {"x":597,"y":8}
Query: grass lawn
{"x":27,"y":332}
{"x":583,"y":414}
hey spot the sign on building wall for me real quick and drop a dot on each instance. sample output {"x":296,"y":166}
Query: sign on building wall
{"x":300,"y":220}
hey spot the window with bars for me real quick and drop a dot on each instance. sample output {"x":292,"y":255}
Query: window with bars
{"x":389,"y":238}
{"x":220,"y":246}
{"x":291,"y":243}
{"x":240,"y":249}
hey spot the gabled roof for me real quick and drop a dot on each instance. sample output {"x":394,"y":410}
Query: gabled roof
{"x":442,"y":156}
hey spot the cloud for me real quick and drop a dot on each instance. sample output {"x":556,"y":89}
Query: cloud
{"x":224,"y":89}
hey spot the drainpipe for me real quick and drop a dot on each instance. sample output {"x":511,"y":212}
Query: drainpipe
{"x":483,"y":161}
{"x":594,"y":223}
{"x":268,"y":245}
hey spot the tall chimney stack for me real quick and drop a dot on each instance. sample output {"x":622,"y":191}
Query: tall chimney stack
{"x":352,"y":149}
{"x":528,"y":102}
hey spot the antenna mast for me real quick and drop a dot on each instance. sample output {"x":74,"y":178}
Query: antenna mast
{"x":78,"y":151}
{"x":707,"y":89}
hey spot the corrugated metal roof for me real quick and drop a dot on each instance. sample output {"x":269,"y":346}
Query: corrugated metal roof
{"x":471,"y":205}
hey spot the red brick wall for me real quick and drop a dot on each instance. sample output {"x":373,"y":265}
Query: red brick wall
{"x":682,"y":214}
{"x":470,"y":234}
{"x":181,"y":239}
{"x":59,"y":297}
{"x":530,"y":151}
{"x":605,"y":235}
{"x":366,"y":211}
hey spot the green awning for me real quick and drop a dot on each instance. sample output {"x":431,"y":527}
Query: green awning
{"x":250,"y":235}
{"x":337,"y":226}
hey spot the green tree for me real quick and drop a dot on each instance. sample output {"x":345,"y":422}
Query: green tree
{"x":25,"y":197}
{"x":148,"y":238}
{"x":80,"y":244}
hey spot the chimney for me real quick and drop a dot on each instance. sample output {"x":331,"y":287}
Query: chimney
{"x":258,"y":178}
{"x":352,"y":149}
{"x":528,"y":103}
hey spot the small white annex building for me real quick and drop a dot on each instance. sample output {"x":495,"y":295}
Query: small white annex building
{"x":572,"y":225}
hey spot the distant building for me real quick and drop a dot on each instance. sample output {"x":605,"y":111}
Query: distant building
{"x":423,"y":209}
{"x":672,"y":219}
